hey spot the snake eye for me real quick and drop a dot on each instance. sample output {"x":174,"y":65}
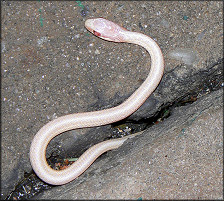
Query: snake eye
{"x":96,"y":33}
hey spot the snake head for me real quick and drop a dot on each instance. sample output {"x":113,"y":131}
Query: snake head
{"x":106,"y":29}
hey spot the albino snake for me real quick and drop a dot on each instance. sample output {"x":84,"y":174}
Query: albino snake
{"x":112,"y":32}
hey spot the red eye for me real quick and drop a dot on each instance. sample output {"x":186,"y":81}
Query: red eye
{"x":96,"y":33}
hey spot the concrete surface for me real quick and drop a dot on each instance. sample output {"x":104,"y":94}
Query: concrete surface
{"x":179,"y":158}
{"x":51,"y":66}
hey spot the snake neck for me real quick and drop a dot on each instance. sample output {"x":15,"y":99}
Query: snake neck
{"x":156,"y":70}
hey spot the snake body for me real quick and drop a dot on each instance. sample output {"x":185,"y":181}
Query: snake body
{"x":109,"y":31}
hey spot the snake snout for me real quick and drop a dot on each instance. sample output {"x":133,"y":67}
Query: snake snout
{"x":105,"y":29}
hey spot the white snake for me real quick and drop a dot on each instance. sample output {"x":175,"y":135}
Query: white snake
{"x":109,"y":31}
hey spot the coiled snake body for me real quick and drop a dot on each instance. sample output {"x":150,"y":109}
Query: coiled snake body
{"x":109,"y":31}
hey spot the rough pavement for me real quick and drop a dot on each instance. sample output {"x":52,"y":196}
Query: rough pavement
{"x":51,"y":66}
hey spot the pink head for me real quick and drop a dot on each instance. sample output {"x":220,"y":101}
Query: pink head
{"x":105,"y":29}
